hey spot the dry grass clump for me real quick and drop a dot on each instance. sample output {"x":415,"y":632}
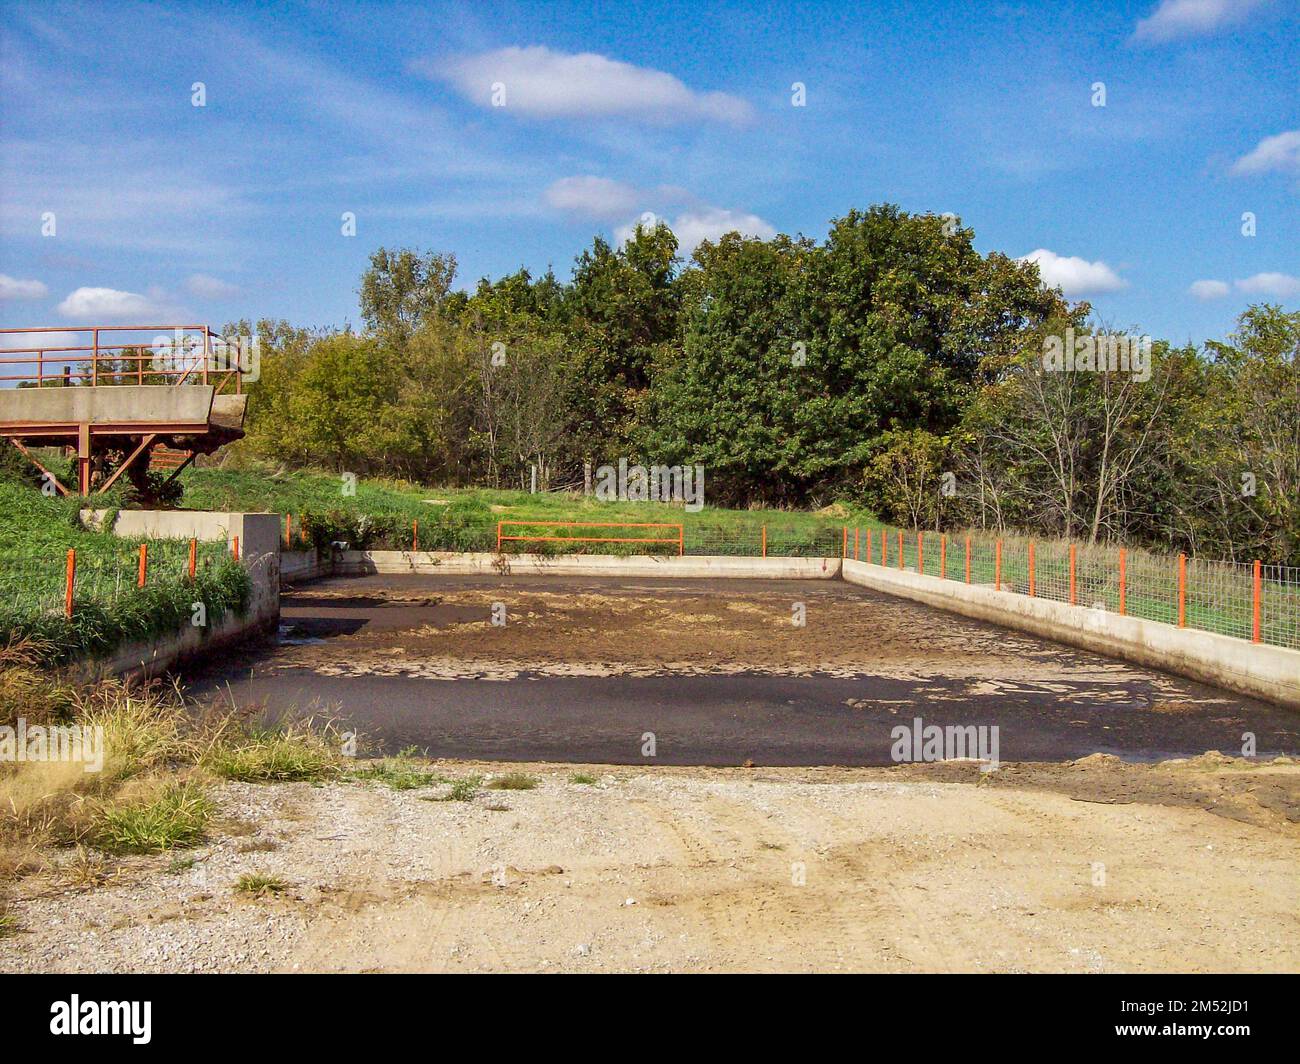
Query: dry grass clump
{"x":27,"y":689}
{"x":257,"y":885}
{"x":295,"y":750}
{"x":148,"y":794}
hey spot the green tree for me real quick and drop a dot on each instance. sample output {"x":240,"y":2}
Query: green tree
{"x":404,"y":288}
{"x":798,"y":360}
{"x":621,"y":311}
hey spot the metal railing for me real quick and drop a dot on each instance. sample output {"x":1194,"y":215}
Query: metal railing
{"x":1251,"y":600}
{"x":677,"y":541}
{"x":120,"y":354}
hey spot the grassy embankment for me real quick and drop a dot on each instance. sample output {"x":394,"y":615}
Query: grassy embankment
{"x":36,"y":532}
{"x":382,"y":514}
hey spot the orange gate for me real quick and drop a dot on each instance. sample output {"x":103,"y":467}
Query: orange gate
{"x":679,"y":539}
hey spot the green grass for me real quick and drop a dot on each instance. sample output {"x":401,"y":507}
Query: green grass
{"x":1219,"y":595}
{"x":175,"y":819}
{"x":37,"y":531}
{"x":381,"y":514}
{"x":584,"y":778}
{"x":281,"y":755}
{"x":257,"y":885}
{"x":513,"y":781}
{"x":399,"y":773}
{"x":462,"y":790}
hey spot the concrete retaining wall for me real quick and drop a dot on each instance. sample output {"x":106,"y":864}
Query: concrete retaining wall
{"x":1258,"y":670}
{"x":259,"y":547}
{"x":146,"y":660}
{"x":258,"y":534}
{"x":296,"y":565}
{"x":355,"y":563}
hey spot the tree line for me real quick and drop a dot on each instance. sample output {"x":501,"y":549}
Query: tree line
{"x":890,"y":364}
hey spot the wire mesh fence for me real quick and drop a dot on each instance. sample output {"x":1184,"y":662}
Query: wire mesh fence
{"x":792,"y":539}
{"x":1249,"y":601}
{"x":33,"y":585}
{"x":762,"y":540}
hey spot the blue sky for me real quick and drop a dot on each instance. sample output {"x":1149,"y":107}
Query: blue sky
{"x":165,"y":211}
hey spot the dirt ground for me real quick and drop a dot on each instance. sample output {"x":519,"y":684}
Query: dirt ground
{"x":442,"y":627}
{"x":1093,"y":866}
{"x":580,"y":669}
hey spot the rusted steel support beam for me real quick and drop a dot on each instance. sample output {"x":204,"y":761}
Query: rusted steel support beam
{"x":83,"y":459}
{"x":146,"y":442}
{"x":45,"y":472}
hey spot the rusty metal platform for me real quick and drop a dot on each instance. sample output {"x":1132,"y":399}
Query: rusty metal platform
{"x":112,"y":394}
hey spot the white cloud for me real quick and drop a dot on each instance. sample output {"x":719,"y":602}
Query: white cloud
{"x":1281,"y":285}
{"x":13,"y":288}
{"x":593,"y":197}
{"x":1192,"y":18}
{"x":712,"y":223}
{"x":206,"y":287}
{"x":692,"y":227}
{"x":1206,"y":290}
{"x":545,"y":84}
{"x":1075,"y":276}
{"x":108,"y":304}
{"x":1280,"y":152}
{"x":24,"y":340}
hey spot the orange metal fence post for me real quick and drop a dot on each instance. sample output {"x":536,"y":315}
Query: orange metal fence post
{"x":765,"y":541}
{"x":194,"y":557}
{"x":844,"y":547}
{"x":288,"y":530}
{"x":884,"y":546}
{"x":968,"y":559}
{"x":1258,"y":588}
{"x":415,"y":535}
{"x":997,"y":568}
{"x":920,"y":552}
{"x":1123,"y":581}
{"x":144,"y":565}
{"x":1074,"y":598}
{"x":71,"y":582}
{"x":1032,"y":583}
{"x":234,"y":548}
{"x":1182,"y":591}
{"x":498,"y":537}
{"x":857,"y":542}
{"x":900,"y":548}
{"x":943,"y":557}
